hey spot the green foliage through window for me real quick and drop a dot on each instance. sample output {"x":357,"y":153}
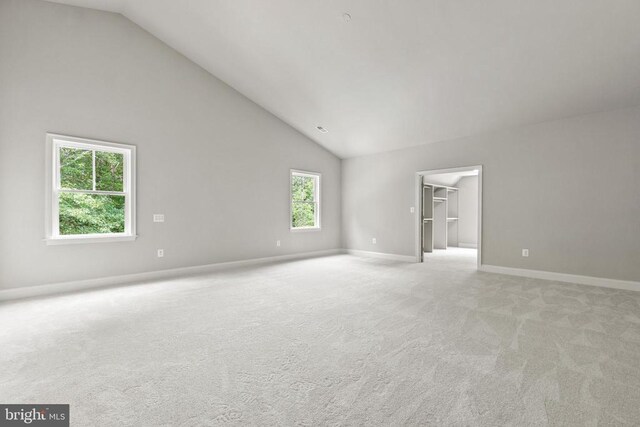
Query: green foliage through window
{"x":109,"y":171}
{"x":90,"y":213}
{"x":86,"y":212}
{"x":303,"y":201}
{"x":76,"y":169}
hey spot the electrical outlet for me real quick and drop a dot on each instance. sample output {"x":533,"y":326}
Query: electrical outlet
{"x":412,"y":209}
{"x":525,"y":252}
{"x":373,"y":241}
{"x":278,"y":243}
{"x":158,"y":217}
{"x":160,"y":253}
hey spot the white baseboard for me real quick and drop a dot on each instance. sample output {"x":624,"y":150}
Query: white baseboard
{"x":80,"y":285}
{"x":562,"y":277}
{"x":468,"y":245}
{"x":394,"y":257}
{"x":56,"y":288}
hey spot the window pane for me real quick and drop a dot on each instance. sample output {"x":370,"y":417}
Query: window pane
{"x":303,"y":214}
{"x":91,"y":213}
{"x":76,"y":169}
{"x":302,"y":188}
{"x":109,"y":171}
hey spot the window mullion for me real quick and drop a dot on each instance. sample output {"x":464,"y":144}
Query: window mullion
{"x":93,"y":161}
{"x":56,"y":164}
{"x":55,"y":203}
{"x":97,"y":192}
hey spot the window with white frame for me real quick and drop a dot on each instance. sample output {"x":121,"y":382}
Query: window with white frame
{"x":305,"y":200}
{"x":91,"y":190}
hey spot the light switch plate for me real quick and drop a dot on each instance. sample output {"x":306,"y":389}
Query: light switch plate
{"x":158,"y":217}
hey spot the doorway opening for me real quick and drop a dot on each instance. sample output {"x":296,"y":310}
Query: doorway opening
{"x":449,"y":217}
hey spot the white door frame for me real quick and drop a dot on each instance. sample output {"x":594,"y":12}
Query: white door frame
{"x":418,"y":197}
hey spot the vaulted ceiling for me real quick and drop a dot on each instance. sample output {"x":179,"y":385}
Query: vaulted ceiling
{"x":399,"y":73}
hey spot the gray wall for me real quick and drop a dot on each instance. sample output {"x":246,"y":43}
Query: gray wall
{"x":468,"y":210}
{"x":546,"y":187}
{"x":213,"y":162}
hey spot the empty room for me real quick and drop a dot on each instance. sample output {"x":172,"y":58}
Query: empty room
{"x":310,"y":213}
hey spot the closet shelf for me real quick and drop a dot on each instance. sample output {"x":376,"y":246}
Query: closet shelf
{"x":439,"y":208}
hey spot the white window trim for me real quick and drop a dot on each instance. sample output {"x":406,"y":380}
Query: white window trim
{"x":318,"y":177}
{"x":52,"y":232}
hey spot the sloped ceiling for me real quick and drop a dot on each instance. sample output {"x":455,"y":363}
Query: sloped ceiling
{"x":449,"y":179}
{"x":406,"y":72}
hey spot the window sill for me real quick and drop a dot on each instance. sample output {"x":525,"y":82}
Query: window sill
{"x":73,"y":240}
{"x":303,"y":229}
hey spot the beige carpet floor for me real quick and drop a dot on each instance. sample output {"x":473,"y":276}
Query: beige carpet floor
{"x":339,"y":340}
